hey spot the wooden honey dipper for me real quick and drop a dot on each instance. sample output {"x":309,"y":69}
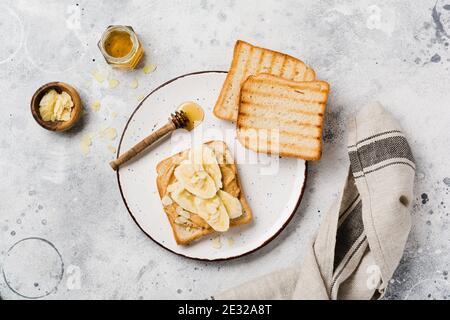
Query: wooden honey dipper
{"x":177,"y":120}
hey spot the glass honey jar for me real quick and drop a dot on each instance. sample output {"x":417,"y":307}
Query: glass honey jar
{"x":121,"y":47}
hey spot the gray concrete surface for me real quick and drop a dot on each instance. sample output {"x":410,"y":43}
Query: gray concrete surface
{"x":392,"y":51}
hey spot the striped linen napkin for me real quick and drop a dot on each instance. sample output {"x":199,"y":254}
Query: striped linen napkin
{"x":361,"y":240}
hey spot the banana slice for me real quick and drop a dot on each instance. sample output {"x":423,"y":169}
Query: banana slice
{"x":182,"y":197}
{"x":193,"y":178}
{"x":232,"y":204}
{"x":213,"y":212}
{"x":46,"y":113}
{"x":205,"y":156}
{"x":47,"y":105}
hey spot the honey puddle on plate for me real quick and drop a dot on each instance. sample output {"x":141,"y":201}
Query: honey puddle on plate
{"x":193,"y":112}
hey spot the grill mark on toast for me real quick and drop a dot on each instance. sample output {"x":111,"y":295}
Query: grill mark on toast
{"x":278,"y":60}
{"x":266,"y":61}
{"x":244,"y":104}
{"x":231,"y":112}
{"x":271,"y":62}
{"x":249,"y":115}
{"x":289,"y":72}
{"x":245,"y":73}
{"x":254,"y":62}
{"x":285,"y":128}
{"x":278,"y":97}
{"x":271,"y":80}
{"x":315,"y":86}
{"x":300,"y":68}
{"x":259,"y":63}
{"x":309,"y":74}
{"x":315,"y":96}
{"x":282,"y":66}
{"x":312,"y":88}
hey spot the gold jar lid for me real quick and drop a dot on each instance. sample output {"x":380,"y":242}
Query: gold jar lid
{"x":120,"y":47}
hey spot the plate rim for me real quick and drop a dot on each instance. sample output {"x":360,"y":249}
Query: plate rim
{"x":302,"y":191}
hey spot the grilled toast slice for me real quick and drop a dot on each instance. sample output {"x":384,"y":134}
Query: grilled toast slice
{"x":196,"y":227}
{"x":251,"y":60}
{"x":285,"y":117}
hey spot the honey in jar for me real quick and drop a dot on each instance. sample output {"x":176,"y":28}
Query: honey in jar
{"x":120,"y":47}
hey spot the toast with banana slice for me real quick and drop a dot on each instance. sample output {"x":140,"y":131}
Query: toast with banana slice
{"x":201,"y":193}
{"x":279,"y":116}
{"x":251,"y":60}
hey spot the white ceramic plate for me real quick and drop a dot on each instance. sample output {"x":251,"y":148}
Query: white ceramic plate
{"x":273,"y":185}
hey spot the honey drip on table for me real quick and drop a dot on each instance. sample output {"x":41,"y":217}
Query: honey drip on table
{"x":193,"y":112}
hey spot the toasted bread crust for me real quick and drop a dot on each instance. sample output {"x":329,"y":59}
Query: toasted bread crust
{"x":165,"y":177}
{"x":292,"y":111}
{"x":277,"y":63}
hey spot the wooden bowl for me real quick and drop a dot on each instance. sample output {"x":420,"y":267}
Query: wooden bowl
{"x":56,"y":125}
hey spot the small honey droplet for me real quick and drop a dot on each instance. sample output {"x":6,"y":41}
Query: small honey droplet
{"x":216,"y":243}
{"x":149,"y":68}
{"x":134,"y":83}
{"x":113,"y":83}
{"x":85,"y":143}
{"x":109,"y":133}
{"x":95,"y":106}
{"x":98,"y":76}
